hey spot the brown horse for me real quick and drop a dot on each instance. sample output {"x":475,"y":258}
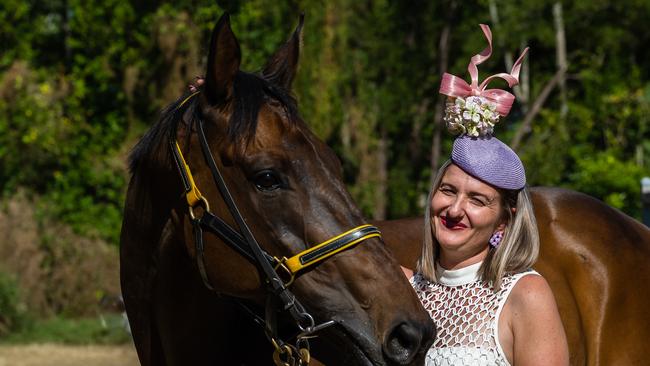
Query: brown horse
{"x":288,"y":192}
{"x":596,"y":261}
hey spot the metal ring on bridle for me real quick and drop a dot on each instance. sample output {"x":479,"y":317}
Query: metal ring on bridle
{"x":205,"y":204}
{"x":287,"y":352}
{"x":310,"y":319}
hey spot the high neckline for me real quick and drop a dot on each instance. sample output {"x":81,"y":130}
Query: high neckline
{"x":458,"y":277}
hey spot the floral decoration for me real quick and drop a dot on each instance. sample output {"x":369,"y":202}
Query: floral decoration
{"x":474,"y":116}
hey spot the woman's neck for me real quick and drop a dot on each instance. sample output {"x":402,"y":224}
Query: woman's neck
{"x":458,"y":277}
{"x":455,"y":260}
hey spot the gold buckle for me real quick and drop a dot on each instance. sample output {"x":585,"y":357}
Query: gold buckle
{"x":286,"y":351}
{"x":282,"y":264}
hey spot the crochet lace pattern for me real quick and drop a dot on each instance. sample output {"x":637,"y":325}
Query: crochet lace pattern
{"x":466,"y":317}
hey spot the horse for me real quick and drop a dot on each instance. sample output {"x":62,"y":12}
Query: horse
{"x":199,"y":292}
{"x":595,"y":259}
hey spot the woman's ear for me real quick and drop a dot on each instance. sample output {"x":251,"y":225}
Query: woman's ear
{"x":504,"y":222}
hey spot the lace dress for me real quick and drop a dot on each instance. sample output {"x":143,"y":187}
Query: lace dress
{"x":466,"y":313}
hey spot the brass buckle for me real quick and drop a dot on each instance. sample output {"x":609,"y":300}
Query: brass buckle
{"x":288,"y":355}
{"x":281,"y":264}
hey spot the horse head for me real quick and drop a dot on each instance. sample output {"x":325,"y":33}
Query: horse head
{"x":288,"y":190}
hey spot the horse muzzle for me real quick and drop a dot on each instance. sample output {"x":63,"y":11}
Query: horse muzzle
{"x":349,"y":342}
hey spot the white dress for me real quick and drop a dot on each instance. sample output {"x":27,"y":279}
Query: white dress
{"x":466,"y":313}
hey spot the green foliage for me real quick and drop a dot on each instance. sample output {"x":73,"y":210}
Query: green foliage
{"x":103,"y":329}
{"x":13,"y":314}
{"x":80,"y":81}
{"x":607,"y":177}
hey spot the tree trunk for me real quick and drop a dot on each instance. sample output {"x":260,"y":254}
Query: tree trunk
{"x":558,"y":79}
{"x":522,"y":90}
{"x":381,"y":191}
{"x":443,"y":56}
{"x":524,"y":128}
{"x":560,"y":51}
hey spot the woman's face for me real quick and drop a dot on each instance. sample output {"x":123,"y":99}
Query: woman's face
{"x":465,"y":212}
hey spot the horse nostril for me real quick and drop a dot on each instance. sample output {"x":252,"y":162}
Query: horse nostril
{"x":403,"y":343}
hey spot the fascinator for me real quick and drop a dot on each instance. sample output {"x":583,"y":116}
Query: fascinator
{"x":472,"y":111}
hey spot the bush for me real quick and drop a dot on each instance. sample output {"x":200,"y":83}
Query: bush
{"x":57,"y":271}
{"x":13,"y":315}
{"x":104,"y":329}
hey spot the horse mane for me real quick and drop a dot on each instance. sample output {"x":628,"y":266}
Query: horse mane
{"x":250,"y":92}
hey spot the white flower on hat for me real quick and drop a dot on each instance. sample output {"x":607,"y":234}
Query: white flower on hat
{"x":474,"y":115}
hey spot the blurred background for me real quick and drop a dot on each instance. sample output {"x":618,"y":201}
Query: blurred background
{"x":81,"y":81}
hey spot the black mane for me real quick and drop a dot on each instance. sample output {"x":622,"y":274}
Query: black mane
{"x":250,"y":92}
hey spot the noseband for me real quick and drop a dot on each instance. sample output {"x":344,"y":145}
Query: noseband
{"x":245,"y":244}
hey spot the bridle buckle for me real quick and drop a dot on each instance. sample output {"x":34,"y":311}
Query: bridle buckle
{"x":281,"y":264}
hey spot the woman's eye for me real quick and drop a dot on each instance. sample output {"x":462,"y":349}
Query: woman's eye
{"x":266,"y":181}
{"x":447,"y":191}
{"x":478,"y":202}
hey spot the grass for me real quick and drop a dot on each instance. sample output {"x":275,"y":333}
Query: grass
{"x":104,"y":329}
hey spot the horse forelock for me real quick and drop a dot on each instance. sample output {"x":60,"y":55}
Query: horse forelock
{"x":250,"y":93}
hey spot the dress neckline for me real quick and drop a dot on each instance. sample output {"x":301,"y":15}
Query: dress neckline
{"x":458,"y":277}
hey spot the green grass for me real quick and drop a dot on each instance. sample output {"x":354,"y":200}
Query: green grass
{"x":105,"y":329}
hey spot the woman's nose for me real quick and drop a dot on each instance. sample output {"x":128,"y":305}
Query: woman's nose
{"x":455,"y":209}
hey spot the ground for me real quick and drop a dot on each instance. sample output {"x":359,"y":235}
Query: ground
{"x":63,"y":355}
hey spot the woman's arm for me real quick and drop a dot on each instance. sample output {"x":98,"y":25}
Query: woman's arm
{"x":538,"y":334}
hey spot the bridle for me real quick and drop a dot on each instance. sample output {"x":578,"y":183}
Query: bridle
{"x":244,"y":243}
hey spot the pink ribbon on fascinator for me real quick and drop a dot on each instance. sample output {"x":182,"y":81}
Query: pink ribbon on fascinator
{"x":454,"y":86}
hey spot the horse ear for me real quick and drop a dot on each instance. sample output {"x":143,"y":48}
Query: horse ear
{"x":281,"y":67}
{"x":223,"y":61}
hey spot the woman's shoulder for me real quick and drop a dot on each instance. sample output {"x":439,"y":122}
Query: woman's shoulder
{"x":534,"y":312}
{"x":531,"y":294}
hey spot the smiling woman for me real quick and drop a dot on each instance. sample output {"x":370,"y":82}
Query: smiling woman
{"x":480,"y":240}
{"x":465,"y":213}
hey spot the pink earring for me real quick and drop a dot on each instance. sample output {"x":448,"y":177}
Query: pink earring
{"x":496,"y":239}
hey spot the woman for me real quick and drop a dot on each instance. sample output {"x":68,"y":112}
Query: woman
{"x":481,"y":239}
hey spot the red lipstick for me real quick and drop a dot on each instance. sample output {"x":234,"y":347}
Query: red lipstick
{"x":451,"y":224}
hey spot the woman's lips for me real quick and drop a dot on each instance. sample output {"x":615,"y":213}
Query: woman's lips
{"x":451,"y":224}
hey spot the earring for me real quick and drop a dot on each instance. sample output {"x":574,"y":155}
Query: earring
{"x":496,"y":239}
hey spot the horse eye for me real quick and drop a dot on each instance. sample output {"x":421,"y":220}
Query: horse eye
{"x":266,"y":180}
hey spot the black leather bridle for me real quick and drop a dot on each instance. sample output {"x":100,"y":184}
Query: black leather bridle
{"x":245,"y":244}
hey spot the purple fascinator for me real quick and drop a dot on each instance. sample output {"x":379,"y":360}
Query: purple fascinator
{"x":472,"y":112}
{"x":490,"y":160}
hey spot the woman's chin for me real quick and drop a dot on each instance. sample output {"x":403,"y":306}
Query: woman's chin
{"x":448,"y":239}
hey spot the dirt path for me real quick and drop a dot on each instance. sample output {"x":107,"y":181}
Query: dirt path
{"x":60,"y":355}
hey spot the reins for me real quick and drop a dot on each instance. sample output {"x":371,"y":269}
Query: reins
{"x":244,"y":243}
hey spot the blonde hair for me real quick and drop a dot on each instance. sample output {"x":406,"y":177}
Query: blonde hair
{"x":517,"y":251}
